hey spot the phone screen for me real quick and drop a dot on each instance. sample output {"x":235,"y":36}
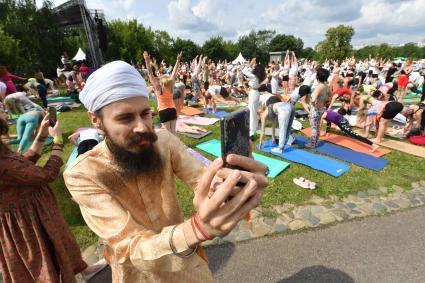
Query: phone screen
{"x":52,"y":118}
{"x":235,"y":134}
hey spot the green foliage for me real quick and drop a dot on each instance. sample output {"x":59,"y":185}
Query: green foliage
{"x":337,"y":45}
{"x":283,"y":42}
{"x":385,"y":51}
{"x":190,"y":49}
{"x":256,"y":44}
{"x":9,"y":47}
{"x":309,"y":53}
{"x":40,"y":41}
{"x":214,"y":48}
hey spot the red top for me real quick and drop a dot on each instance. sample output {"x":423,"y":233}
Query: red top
{"x":36,"y":244}
{"x":343,"y":91}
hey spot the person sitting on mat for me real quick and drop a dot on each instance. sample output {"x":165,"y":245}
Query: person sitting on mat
{"x":86,"y":139}
{"x":386,"y":112}
{"x":338,"y":119}
{"x":284,"y":113}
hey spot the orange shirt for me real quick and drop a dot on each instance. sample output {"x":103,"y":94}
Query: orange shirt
{"x":165,"y":100}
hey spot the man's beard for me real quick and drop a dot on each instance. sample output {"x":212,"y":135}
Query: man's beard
{"x":147,"y":161}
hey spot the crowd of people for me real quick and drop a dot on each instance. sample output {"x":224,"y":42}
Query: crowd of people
{"x":125,"y":185}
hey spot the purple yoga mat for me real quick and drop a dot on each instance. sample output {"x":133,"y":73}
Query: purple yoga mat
{"x":199,"y":156}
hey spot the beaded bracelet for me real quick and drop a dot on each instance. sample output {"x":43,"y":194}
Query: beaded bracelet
{"x":173,"y":247}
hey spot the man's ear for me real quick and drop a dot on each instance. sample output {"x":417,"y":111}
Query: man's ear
{"x":95,"y":120}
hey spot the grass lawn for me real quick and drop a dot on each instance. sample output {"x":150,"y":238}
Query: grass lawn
{"x":402,"y":170}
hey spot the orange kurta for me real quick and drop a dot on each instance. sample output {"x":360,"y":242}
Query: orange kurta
{"x":135,"y":216}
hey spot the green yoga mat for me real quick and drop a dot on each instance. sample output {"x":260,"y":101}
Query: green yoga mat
{"x":60,"y":99}
{"x":213,"y":147}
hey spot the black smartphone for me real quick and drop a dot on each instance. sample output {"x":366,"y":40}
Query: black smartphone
{"x":52,"y":116}
{"x":235,"y":134}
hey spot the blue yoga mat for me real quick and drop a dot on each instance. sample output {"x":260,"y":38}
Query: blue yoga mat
{"x":213,"y":147}
{"x":329,"y":166}
{"x":218,"y":113}
{"x":358,"y":158}
{"x":72,"y":157}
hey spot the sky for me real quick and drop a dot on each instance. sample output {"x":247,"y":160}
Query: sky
{"x":374,"y":21}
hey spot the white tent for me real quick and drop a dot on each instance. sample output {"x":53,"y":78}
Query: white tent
{"x":80,"y":56}
{"x":239,"y":59}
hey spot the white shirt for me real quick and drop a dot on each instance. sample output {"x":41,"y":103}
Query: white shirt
{"x":3,"y":88}
{"x":275,"y":84}
{"x":89,"y":134}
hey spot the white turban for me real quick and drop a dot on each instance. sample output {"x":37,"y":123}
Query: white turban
{"x":115,"y":81}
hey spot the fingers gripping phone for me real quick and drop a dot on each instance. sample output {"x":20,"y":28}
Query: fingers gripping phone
{"x":52,"y":116}
{"x":235,"y":135}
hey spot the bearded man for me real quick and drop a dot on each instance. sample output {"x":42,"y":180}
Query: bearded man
{"x":126,"y":190}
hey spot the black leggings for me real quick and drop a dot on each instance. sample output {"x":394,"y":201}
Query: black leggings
{"x":344,"y":126}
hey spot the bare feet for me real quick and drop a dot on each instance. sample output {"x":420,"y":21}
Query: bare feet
{"x":374,"y":147}
{"x":277,"y":150}
{"x":310,"y":145}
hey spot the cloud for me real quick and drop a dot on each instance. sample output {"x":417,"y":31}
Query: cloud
{"x":182,"y":15}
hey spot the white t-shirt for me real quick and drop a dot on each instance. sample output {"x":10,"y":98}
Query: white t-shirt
{"x":275,"y":84}
{"x":214,"y":90}
{"x":89,"y":134}
{"x":3,"y":88}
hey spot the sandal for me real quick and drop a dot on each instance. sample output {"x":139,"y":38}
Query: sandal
{"x":304,"y":183}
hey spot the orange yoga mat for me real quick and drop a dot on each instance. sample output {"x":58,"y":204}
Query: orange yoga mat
{"x":191,"y":111}
{"x":350,"y":143}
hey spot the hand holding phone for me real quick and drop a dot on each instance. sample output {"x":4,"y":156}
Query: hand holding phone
{"x":235,"y":134}
{"x":52,"y":116}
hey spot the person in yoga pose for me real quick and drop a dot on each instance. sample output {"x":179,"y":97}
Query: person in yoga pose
{"x":386,"y":112}
{"x":374,"y":101}
{"x":285,"y":73}
{"x":164,"y":94}
{"x":338,"y":119}
{"x":317,"y":105}
{"x":283,"y":113}
{"x":293,"y":73}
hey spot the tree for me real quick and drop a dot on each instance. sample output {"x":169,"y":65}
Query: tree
{"x":283,"y":42}
{"x":231,"y":50}
{"x":190,"y":49}
{"x":214,"y":48}
{"x":308,"y":53}
{"x":256,"y":44}
{"x":337,"y":45}
{"x":9,"y":47}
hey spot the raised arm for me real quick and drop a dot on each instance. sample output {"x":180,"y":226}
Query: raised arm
{"x":176,"y":66}
{"x":151,"y":76}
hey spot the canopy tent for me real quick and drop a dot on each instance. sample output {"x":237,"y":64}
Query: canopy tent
{"x":239,"y":59}
{"x":80,"y":56}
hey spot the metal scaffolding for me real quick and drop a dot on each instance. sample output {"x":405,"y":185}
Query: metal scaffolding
{"x":74,"y":14}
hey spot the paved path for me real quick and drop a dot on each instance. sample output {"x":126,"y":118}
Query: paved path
{"x":374,"y":249}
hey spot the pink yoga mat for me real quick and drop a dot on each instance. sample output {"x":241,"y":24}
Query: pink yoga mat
{"x":197,"y":120}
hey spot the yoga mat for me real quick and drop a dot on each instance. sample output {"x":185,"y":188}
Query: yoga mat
{"x":60,"y":99}
{"x":196,"y":136}
{"x":329,"y":166}
{"x":344,"y":154}
{"x":199,"y":156}
{"x":218,"y":113}
{"x":190,"y":111}
{"x":72,"y":157}
{"x":297,"y":126}
{"x":350,"y":143}
{"x":405,"y":147}
{"x":213,"y":147}
{"x":197,"y":120}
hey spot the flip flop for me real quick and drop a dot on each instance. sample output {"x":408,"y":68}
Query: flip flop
{"x":301,"y":182}
{"x":102,"y":264}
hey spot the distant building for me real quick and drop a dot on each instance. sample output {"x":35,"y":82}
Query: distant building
{"x":277,"y":56}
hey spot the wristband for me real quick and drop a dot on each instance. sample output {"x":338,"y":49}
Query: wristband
{"x":198,"y":226}
{"x":192,"y":223}
{"x":58,"y":140}
{"x":41,"y":139}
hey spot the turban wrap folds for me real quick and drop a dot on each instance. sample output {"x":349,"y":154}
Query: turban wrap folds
{"x":113,"y":82}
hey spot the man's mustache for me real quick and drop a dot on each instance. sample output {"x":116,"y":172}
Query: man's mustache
{"x":139,"y":137}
